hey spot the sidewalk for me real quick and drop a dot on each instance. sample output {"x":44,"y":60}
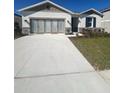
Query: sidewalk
{"x":105,"y":75}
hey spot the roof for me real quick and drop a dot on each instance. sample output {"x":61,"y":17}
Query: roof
{"x":44,"y":2}
{"x":91,"y":10}
{"x":15,"y":14}
{"x":105,"y":10}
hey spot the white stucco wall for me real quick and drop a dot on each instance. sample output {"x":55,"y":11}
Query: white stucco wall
{"x":45,"y":14}
{"x":82,"y":20}
{"x":106,"y":15}
{"x":106,"y":26}
{"x":105,"y":22}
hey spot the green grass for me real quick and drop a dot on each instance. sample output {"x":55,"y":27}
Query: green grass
{"x":96,"y":50}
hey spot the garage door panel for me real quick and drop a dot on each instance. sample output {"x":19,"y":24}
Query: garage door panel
{"x":41,"y":26}
{"x":48,"y":26}
{"x":54,"y":26}
{"x":34,"y":26}
{"x":60,"y":26}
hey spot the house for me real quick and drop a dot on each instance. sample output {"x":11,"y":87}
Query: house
{"x":48,"y":17}
{"x":17,"y":21}
{"x":17,"y":25}
{"x":105,"y":23}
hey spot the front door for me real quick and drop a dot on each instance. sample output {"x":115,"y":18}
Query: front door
{"x":75,"y":24}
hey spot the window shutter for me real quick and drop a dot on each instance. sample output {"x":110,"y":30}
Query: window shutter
{"x":86,"y":22}
{"x":94,"y":22}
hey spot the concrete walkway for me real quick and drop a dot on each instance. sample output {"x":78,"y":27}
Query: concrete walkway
{"x":105,"y":75}
{"x":50,"y":63}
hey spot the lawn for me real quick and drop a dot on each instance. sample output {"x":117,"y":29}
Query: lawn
{"x":96,"y":50}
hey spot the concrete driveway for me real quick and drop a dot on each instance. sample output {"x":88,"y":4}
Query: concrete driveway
{"x":50,"y":63}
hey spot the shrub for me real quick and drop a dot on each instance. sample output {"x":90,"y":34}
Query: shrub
{"x":94,"y":32}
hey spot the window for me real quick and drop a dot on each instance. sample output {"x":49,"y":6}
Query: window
{"x":90,"y":22}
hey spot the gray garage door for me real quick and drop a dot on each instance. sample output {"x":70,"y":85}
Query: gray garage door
{"x":47,"y":26}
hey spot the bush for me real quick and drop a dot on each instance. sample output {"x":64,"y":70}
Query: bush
{"x":106,"y":34}
{"x":94,"y":32}
{"x":17,"y":30}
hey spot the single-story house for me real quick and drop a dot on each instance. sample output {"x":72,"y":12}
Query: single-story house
{"x":17,"y":25}
{"x":105,"y":23}
{"x":49,"y":17}
{"x":17,"y":21}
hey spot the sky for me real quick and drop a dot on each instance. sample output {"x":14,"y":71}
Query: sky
{"x":73,"y":5}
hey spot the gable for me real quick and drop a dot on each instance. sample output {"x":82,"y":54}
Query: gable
{"x":45,"y":7}
{"x":91,"y":11}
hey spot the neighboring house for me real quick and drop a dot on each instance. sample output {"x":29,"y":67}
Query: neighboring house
{"x":17,"y":25}
{"x":105,"y":23}
{"x":48,"y":17}
{"x":17,"y":21}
